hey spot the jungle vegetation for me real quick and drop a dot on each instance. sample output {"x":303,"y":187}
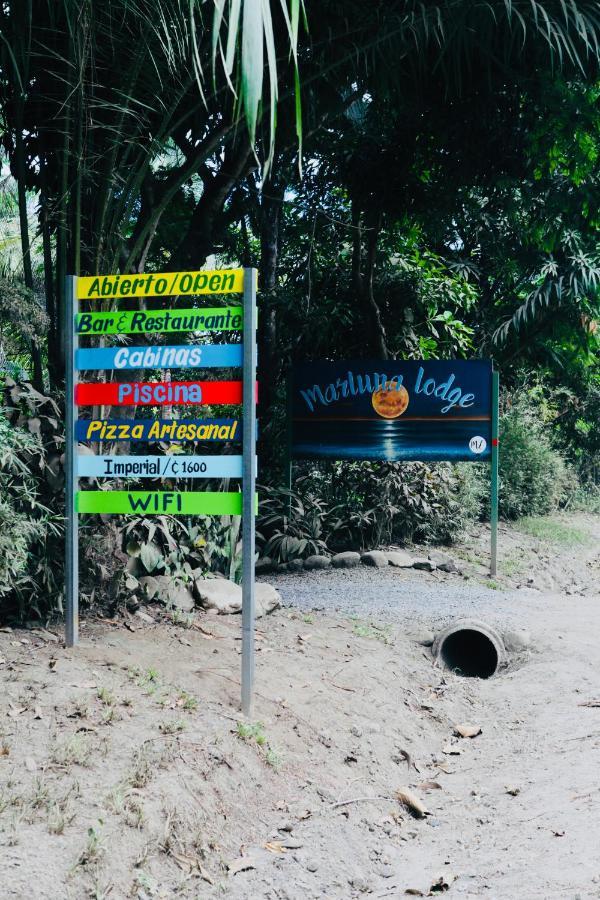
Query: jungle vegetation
{"x":412,"y":180}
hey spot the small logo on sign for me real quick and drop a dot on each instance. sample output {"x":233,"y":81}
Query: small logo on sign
{"x":477,"y":444}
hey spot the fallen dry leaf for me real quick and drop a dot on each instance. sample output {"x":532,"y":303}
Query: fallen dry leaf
{"x":414,"y":892}
{"x":591,"y":703}
{"x":37,"y":712}
{"x":189,"y":863}
{"x":442,"y":884}
{"x":430,"y":786}
{"x":513,"y":791}
{"x":275,"y":847}
{"x":558,"y":833}
{"x":203,"y":873}
{"x":444,"y":767}
{"x":412,"y":803}
{"x":467,"y":731}
{"x":30,"y":764}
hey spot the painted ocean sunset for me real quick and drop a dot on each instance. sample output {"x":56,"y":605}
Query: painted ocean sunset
{"x":392,"y":440}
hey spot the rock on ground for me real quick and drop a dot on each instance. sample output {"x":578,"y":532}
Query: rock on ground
{"x":443,"y":561}
{"x":220,"y":594}
{"x":169,"y":591}
{"x":266,"y":598}
{"x":346,"y":560}
{"x":400,"y":559}
{"x":375,"y":558}
{"x":516,"y":641}
{"x":317,"y":562}
{"x":225,"y":597}
{"x":426,"y":564}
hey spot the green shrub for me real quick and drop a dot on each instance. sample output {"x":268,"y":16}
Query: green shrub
{"x":293,"y":524}
{"x":586,"y":499}
{"x":367,"y":504}
{"x":171,"y":545}
{"x":31,"y":525}
{"x":379,"y":503}
{"x":534,"y":477}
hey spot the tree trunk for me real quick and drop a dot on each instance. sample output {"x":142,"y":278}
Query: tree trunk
{"x":363,"y":270}
{"x":35,"y":350}
{"x":270,"y":363}
{"x":375,"y":322}
{"x":53,"y":346}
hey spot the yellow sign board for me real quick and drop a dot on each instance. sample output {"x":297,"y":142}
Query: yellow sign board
{"x":160,"y":284}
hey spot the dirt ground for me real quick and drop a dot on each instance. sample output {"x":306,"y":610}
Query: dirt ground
{"x":127,"y":771}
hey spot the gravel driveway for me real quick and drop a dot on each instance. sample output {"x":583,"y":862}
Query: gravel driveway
{"x":391,"y":595}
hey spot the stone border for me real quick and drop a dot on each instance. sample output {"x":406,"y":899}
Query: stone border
{"x":350,"y":559}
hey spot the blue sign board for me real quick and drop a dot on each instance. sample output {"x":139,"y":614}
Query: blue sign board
{"x":182,"y":356}
{"x":172,"y":465}
{"x":392,"y":410}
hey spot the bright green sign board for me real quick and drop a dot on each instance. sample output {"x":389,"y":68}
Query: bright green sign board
{"x":188,"y":503}
{"x":208,"y":318}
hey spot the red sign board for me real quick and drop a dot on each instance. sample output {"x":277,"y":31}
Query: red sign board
{"x":159,"y":393}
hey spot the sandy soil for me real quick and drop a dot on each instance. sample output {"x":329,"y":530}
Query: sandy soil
{"x":126,"y":769}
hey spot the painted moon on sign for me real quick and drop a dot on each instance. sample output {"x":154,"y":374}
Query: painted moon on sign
{"x":389,"y":403}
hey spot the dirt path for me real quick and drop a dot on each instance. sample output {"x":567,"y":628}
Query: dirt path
{"x":127,"y":771}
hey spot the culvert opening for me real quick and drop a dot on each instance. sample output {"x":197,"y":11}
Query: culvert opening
{"x":470,"y":653}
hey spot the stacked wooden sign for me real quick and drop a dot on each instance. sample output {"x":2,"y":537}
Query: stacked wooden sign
{"x":117,"y":392}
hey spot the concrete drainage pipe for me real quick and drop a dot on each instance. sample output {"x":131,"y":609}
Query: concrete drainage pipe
{"x":470,"y":648}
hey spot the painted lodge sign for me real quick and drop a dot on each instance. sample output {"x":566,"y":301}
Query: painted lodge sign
{"x":392,"y":410}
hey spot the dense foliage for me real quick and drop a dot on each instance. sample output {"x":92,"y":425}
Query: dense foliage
{"x":364,"y":505}
{"x":31,"y":482}
{"x":411,"y":180}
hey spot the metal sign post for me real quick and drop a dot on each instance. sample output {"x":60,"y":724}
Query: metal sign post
{"x":71,"y":480}
{"x":288,"y":460}
{"x":494,"y":474}
{"x":249,"y":489}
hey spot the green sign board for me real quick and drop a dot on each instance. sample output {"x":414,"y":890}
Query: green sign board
{"x":145,"y":503}
{"x":211,"y":318}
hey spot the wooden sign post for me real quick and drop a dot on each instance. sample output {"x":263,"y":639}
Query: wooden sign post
{"x":157,"y":394}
